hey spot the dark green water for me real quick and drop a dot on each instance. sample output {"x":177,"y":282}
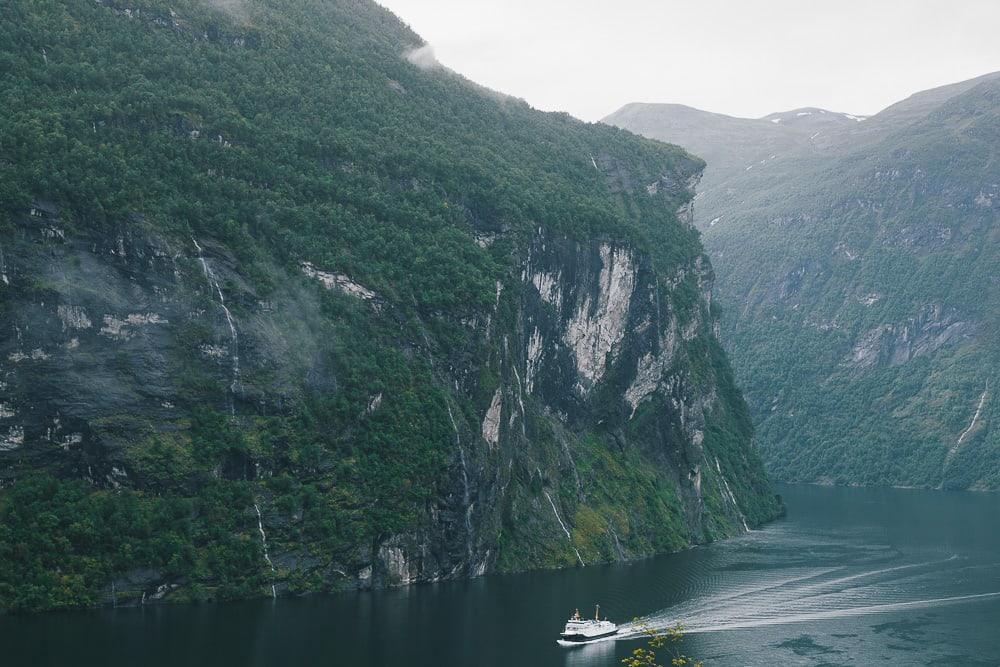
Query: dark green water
{"x":851,"y":577}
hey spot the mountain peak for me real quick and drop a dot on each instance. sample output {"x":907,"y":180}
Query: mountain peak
{"x":812,"y":115}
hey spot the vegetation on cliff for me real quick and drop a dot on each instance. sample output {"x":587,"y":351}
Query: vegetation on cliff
{"x":856,"y":262}
{"x":222,"y":164}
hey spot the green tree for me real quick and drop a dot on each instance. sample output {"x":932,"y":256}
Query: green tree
{"x":646,"y":656}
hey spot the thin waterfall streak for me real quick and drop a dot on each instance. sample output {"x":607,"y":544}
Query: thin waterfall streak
{"x":618,"y":544}
{"x":466,"y":499}
{"x":263,"y":541}
{"x":732,"y":498}
{"x":466,"y":496}
{"x":572,"y":465}
{"x":563,"y":526}
{"x":972,"y":425}
{"x":556,"y":512}
{"x":520,"y":389}
{"x":234,"y":338}
{"x":659,"y":315}
{"x":520,"y":401}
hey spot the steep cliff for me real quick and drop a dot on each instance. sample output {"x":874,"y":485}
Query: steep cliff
{"x":857,"y":271}
{"x":286,"y":308}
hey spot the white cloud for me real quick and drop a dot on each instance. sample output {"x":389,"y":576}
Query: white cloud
{"x":423,"y":57}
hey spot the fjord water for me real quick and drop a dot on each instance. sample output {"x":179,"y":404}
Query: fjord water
{"x":851,"y":576}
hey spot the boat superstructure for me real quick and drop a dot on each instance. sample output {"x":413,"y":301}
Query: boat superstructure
{"x":579,"y":629}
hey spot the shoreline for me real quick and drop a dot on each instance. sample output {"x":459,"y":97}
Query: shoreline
{"x":899,"y":487}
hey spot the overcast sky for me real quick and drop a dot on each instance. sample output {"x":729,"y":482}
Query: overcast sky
{"x":739,"y":57}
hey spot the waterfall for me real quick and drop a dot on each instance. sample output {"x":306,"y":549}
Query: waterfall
{"x":659,"y":315}
{"x":466,"y":502}
{"x":520,"y":401}
{"x":263,"y":541}
{"x":972,"y":425}
{"x":618,"y":544}
{"x":466,"y":497}
{"x":563,"y":525}
{"x":234,"y":339}
{"x":520,"y":389}
{"x":732,"y":498}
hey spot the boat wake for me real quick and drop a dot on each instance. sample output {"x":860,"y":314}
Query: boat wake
{"x":797,"y":596}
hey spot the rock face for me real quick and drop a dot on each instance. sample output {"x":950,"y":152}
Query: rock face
{"x":97,"y":353}
{"x":896,"y":344}
{"x":857,"y":269}
{"x":598,"y":323}
{"x":338,"y":349}
{"x":591,"y":356}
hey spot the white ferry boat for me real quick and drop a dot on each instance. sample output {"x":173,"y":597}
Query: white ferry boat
{"x":579,"y":630}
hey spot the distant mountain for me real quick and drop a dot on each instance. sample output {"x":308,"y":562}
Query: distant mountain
{"x":858,"y":272}
{"x":286,"y":307}
{"x":734,"y":147}
{"x":812,"y":118}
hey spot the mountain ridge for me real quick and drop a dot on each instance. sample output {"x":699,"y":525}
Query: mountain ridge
{"x":851,"y":273}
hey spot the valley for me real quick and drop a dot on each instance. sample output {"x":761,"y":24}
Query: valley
{"x":856,"y":262}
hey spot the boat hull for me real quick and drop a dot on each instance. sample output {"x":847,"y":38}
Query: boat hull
{"x":568,"y":640}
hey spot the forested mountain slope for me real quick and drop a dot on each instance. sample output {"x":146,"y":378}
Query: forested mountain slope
{"x":859,"y":285}
{"x":286,"y":307}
